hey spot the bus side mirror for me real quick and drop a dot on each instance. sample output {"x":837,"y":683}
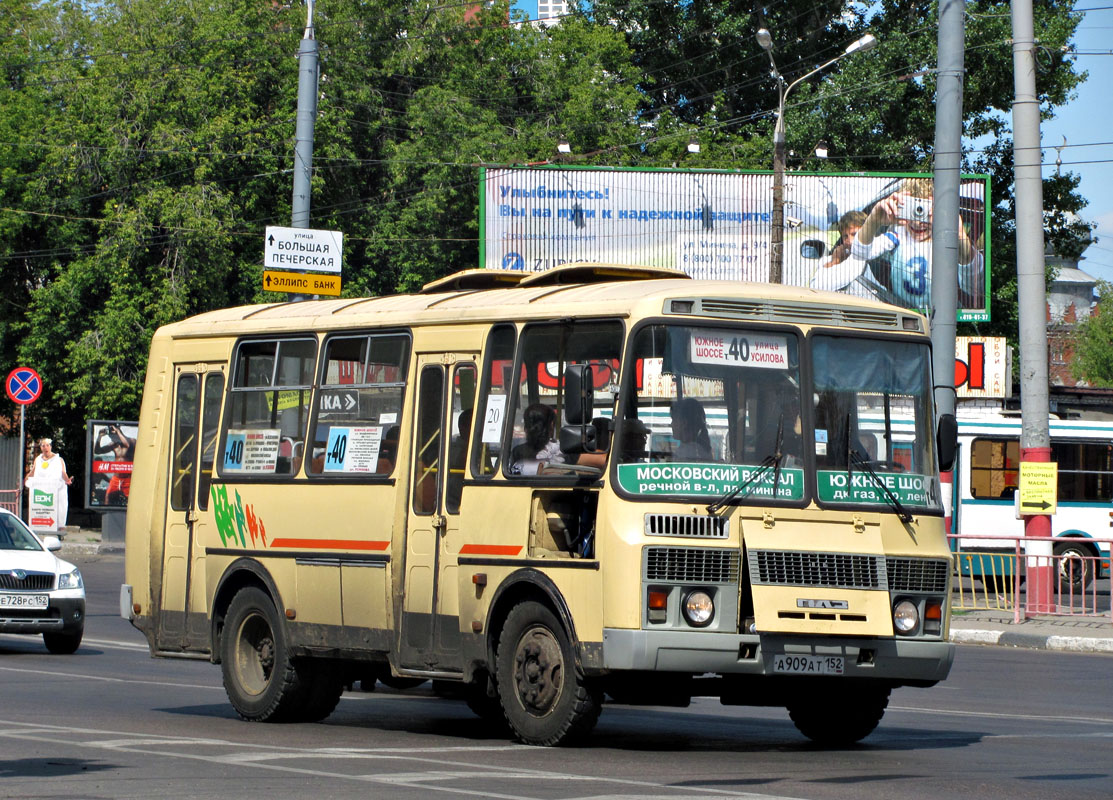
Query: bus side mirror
{"x":946,"y":441}
{"x":579,"y":394}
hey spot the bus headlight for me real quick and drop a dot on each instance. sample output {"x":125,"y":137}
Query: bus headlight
{"x":699,"y":608}
{"x":906,"y":617}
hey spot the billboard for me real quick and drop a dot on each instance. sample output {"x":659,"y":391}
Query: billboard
{"x":109,"y":453}
{"x":864,"y":234}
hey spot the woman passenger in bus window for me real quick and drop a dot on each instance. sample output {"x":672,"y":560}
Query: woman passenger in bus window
{"x":541,"y":448}
{"x":689,"y":427}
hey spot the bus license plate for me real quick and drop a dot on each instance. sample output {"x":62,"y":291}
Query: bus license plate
{"x":808,"y":665}
{"x":23,"y":601}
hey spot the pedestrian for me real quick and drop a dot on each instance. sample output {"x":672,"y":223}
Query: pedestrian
{"x":50,"y":469}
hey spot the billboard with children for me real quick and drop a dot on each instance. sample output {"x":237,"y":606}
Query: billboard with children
{"x":110,"y":451}
{"x":865,"y":234}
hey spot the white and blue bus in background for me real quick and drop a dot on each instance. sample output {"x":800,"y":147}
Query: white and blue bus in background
{"x":986,"y":477}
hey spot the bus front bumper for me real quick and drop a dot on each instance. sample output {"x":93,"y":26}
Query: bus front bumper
{"x":911,"y":661}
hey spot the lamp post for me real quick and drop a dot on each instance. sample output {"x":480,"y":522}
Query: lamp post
{"x":776,"y":240}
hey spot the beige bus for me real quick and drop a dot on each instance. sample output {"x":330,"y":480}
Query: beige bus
{"x":541,"y":490}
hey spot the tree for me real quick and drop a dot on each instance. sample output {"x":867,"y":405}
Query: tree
{"x":1093,"y":343}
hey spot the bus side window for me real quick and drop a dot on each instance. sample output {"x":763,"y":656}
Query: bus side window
{"x":359,"y":405}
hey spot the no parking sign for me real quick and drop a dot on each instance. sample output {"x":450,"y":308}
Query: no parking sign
{"x":24,"y":386}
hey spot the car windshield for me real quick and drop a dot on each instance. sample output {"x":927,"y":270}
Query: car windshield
{"x":709,"y":408}
{"x":15,"y":536}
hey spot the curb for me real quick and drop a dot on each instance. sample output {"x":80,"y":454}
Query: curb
{"x":1032,"y":641}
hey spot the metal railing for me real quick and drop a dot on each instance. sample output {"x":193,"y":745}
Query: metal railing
{"x":9,"y":499}
{"x":990,"y":577}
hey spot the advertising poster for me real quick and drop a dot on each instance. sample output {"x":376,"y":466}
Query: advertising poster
{"x":110,"y":449}
{"x":869,"y":235}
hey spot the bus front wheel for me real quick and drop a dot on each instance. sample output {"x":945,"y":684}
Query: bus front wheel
{"x":839,"y":717}
{"x":545,"y":700}
{"x":260,"y":678}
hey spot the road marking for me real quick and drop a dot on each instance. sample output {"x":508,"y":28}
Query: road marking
{"x":1001,"y":715}
{"x":117,"y":644}
{"x":107,"y":679}
{"x":63,"y":735}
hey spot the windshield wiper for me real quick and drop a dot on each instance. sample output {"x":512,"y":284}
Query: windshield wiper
{"x":770,"y":461}
{"x":855,"y":456}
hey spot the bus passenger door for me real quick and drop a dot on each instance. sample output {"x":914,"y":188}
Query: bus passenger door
{"x":429,"y":634}
{"x":198,"y":391}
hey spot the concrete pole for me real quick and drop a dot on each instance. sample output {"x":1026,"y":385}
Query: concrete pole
{"x":306,"y":119}
{"x":303,"y":132}
{"x":777,"y":234}
{"x":1035,"y":439}
{"x":945,"y":216}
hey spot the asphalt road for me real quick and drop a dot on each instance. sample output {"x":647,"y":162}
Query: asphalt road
{"x":110,"y":722}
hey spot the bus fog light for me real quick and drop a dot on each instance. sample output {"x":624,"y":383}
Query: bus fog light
{"x":699,"y":608}
{"x":906,"y":617}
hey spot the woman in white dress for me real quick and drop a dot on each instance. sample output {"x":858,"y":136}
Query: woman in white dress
{"x":51,"y":468}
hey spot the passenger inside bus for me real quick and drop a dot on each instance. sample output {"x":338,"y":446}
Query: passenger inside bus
{"x":541,"y":448}
{"x":388,"y":451}
{"x":689,"y":427}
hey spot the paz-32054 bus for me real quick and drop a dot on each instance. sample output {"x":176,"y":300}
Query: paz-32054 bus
{"x":541,"y":490}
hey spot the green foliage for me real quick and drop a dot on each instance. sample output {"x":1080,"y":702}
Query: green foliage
{"x":1093,"y":343}
{"x":145,"y":144}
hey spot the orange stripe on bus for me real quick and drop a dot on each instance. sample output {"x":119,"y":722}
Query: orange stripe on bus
{"x":491,"y":549}
{"x":330,"y":544}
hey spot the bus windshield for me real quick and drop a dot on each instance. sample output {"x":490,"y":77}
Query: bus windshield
{"x":873,"y":426}
{"x":707,"y":410}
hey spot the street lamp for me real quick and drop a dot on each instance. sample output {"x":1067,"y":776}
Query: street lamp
{"x":776,"y":241}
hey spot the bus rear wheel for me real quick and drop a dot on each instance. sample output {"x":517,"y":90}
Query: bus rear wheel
{"x":837,"y":716}
{"x":261,"y":680}
{"x":545,"y":700}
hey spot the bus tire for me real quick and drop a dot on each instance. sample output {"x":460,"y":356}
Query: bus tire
{"x":544,"y":698}
{"x":1075,"y":566}
{"x":260,"y":678}
{"x":835,"y":717}
{"x":323,"y":687}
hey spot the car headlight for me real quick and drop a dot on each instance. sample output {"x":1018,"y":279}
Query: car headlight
{"x":906,"y":617}
{"x":70,"y":580}
{"x":699,"y":608}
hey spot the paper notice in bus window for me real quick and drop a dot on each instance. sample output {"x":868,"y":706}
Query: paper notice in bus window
{"x":252,"y":450}
{"x":738,"y":349}
{"x":353,"y":449}
{"x":493,"y":417}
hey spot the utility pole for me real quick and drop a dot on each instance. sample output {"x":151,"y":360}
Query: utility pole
{"x":945,"y":213}
{"x":303,"y":133}
{"x":1035,"y":439}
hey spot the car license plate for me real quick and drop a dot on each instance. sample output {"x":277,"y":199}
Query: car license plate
{"x":807,"y":665}
{"x":23,"y":601}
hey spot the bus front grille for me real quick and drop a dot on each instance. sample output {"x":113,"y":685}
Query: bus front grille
{"x":918,"y":574}
{"x":691,"y":565}
{"x":833,"y":570}
{"x":697,"y":526}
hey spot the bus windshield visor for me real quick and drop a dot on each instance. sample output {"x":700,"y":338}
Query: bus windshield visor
{"x":708,"y":409}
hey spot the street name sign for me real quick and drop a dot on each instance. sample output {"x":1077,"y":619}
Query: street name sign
{"x":302,"y":249}
{"x":301,"y":283}
{"x":1039,"y":481}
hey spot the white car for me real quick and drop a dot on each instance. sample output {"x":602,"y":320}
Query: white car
{"x":39,"y":592}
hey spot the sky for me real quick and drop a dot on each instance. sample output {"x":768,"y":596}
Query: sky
{"x":1087,"y":122}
